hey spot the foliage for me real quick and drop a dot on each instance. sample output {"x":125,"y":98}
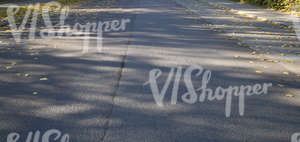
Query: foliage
{"x":274,"y":4}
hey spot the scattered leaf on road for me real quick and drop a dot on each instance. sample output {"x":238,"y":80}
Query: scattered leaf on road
{"x":280,"y":85}
{"x":289,"y":95}
{"x":8,"y":67}
{"x":26,"y":75}
{"x":289,"y":60}
{"x":35,"y":93}
{"x":259,"y":72}
{"x":265,"y":67}
{"x":286,"y":73}
{"x":43,"y":79}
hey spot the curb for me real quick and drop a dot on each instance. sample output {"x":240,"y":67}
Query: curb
{"x":190,"y":5}
{"x":258,"y":18}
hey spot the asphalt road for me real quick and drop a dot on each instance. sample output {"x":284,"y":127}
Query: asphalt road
{"x":103,"y":96}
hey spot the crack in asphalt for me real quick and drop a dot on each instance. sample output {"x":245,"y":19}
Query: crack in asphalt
{"x":114,"y":94}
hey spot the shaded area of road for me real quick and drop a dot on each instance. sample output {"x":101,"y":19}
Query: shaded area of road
{"x":76,"y":98}
{"x":101,"y":96}
{"x":166,"y":37}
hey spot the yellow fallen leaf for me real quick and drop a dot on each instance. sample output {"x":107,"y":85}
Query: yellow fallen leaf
{"x":280,"y":85}
{"x":35,"y":93}
{"x":236,"y":56}
{"x":18,"y":74}
{"x":289,"y":60}
{"x":253,"y":53}
{"x":26,"y":75}
{"x":289,"y":95}
{"x":13,"y":63}
{"x":8,"y":31}
{"x":43,"y":79}
{"x":282,"y":54}
{"x":286,"y":73}
{"x":251,"y":62}
{"x":258,"y":71}
{"x":8,"y":67}
{"x":262,"y":59}
{"x":265,"y":67}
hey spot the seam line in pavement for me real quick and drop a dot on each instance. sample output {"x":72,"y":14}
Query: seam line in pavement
{"x":123,"y":62}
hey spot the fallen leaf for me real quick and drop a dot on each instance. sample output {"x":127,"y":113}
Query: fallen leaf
{"x":236,"y":56}
{"x":253,"y":53}
{"x":251,"y":62}
{"x":26,"y":75}
{"x":289,"y":60}
{"x":8,"y":31}
{"x":265,"y":67}
{"x":13,"y":63}
{"x":259,"y":72}
{"x":286,"y":73}
{"x":8,"y":67}
{"x":280,"y":85}
{"x":18,"y":74}
{"x":282,"y":54}
{"x":240,"y":44}
{"x":43,"y":79}
{"x":35,"y":93}
{"x":289,"y":95}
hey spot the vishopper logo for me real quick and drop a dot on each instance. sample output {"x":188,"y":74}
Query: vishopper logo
{"x":37,"y":136}
{"x":295,"y":15}
{"x":60,"y":29}
{"x":201,"y":93}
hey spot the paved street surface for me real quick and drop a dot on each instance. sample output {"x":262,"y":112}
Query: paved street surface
{"x":102,"y":97}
